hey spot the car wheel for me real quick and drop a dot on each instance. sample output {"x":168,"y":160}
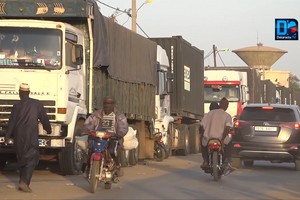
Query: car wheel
{"x":236,"y":162}
{"x":248,"y":163}
{"x":297,"y":165}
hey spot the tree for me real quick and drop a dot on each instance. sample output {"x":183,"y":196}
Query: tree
{"x":294,"y":83}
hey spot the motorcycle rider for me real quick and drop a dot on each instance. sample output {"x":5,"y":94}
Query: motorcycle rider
{"x":216,"y":124}
{"x":112,"y":120}
{"x":213,"y":105}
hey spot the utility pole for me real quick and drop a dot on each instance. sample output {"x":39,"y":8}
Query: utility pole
{"x":215,"y":56}
{"x":134,"y":15}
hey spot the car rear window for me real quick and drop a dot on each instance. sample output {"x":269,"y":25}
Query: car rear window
{"x":275,"y":114}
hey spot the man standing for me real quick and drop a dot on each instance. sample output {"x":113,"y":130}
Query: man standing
{"x":23,"y":128}
{"x":110,"y":119}
{"x":216,"y":124}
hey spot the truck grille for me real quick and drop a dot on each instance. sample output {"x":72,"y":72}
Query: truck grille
{"x":6,"y":108}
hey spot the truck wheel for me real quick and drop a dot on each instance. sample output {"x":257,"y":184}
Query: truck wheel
{"x":72,"y":156}
{"x":248,"y":163}
{"x":168,"y":147}
{"x":184,"y":132}
{"x":194,"y":138}
{"x":236,"y":162}
{"x":132,"y":157}
{"x":169,"y":144}
{"x":2,"y":164}
{"x":122,"y":158}
{"x":297,"y":164}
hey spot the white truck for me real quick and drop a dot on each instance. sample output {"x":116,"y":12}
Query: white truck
{"x":72,"y":56}
{"x":229,"y":84}
{"x":240,"y":85}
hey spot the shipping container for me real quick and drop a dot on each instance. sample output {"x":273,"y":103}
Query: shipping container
{"x":187,"y":64}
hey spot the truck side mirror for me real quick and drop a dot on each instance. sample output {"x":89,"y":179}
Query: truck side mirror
{"x":77,"y":57}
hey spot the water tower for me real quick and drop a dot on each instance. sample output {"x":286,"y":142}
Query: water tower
{"x":260,"y":57}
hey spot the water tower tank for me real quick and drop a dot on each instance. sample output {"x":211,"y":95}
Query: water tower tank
{"x":259,"y":56}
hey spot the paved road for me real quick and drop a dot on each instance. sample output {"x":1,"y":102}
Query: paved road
{"x":178,"y":177}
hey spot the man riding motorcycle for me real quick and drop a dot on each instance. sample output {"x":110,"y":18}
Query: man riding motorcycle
{"x":216,"y":124}
{"x":112,"y":120}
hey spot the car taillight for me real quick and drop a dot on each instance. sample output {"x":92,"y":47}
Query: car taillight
{"x":294,"y":125}
{"x":240,"y":124}
{"x":237,"y":145}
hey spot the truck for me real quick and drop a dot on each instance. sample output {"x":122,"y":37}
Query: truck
{"x":72,"y":56}
{"x":240,"y":85}
{"x":186,"y":100}
{"x":269,"y":92}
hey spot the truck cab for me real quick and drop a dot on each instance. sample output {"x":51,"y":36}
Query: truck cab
{"x":229,"y":84}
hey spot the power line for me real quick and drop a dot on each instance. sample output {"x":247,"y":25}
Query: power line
{"x":127,"y":11}
{"x":142,"y":30}
{"x":117,"y":9}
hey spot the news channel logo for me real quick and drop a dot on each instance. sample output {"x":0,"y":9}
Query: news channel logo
{"x":286,"y":29}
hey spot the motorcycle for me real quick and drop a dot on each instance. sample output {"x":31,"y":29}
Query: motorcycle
{"x":159,"y":147}
{"x":216,"y":167}
{"x":102,"y":165}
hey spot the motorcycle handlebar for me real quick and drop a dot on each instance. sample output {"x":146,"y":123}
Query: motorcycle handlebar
{"x":104,"y":135}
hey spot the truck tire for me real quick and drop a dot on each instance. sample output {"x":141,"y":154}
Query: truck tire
{"x":72,"y":156}
{"x":194,"y":138}
{"x":248,"y":163}
{"x":297,"y":164}
{"x":122,"y":158}
{"x":133,"y":157}
{"x":2,"y":163}
{"x":184,"y":133}
{"x":168,"y":146}
{"x":236,"y":162}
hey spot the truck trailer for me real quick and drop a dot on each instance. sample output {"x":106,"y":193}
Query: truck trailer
{"x":72,"y":56}
{"x":186,"y":100}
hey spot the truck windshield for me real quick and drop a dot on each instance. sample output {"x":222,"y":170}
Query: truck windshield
{"x":217,"y":92}
{"x":30,"y":48}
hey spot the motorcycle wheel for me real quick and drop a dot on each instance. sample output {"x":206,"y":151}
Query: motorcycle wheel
{"x":159,"y":153}
{"x":215,"y":169}
{"x":95,"y":170}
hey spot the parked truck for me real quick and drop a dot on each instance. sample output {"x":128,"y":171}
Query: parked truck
{"x":186,"y":100}
{"x":269,"y":92}
{"x":240,"y":85}
{"x":72,"y":56}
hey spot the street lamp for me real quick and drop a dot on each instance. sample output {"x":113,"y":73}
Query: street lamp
{"x":215,"y":51}
{"x":134,"y":13}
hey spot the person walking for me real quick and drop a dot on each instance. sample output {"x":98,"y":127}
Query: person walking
{"x":23,"y":128}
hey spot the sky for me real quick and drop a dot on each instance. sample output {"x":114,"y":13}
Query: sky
{"x":227,"y":24}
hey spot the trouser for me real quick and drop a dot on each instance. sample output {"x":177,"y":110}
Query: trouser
{"x":113,"y":151}
{"x":27,"y":165}
{"x":227,"y":153}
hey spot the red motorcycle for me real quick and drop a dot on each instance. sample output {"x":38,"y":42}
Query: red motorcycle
{"x":102,"y":166}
